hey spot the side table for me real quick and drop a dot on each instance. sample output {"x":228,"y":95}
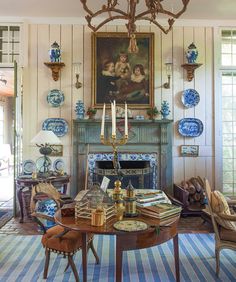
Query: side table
{"x":24,"y":195}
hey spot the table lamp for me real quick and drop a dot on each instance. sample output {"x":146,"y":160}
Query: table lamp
{"x":44,"y":140}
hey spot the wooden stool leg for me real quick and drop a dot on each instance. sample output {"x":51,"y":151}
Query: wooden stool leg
{"x":91,"y":246}
{"x":72,"y":264}
{"x":46,"y":265}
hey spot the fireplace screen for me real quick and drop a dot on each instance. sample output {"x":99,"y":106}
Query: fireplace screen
{"x":141,"y":169}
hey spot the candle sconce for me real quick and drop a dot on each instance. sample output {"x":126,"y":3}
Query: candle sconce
{"x":77,"y":73}
{"x":168,"y":73}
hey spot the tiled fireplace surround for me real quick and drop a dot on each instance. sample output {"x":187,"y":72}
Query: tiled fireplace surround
{"x":148,"y":141}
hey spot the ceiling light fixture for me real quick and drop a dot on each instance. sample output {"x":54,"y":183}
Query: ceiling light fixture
{"x":148,"y":11}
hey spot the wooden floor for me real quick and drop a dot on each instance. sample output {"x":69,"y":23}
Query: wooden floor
{"x":191,"y":224}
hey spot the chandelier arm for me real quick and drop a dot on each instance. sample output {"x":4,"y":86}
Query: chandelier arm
{"x":170,"y":22}
{"x":104,"y":22}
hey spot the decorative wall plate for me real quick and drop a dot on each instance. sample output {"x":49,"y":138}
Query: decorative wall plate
{"x":55,"y":98}
{"x":190,"y":98}
{"x":130,"y":225}
{"x":58,"y":125}
{"x":40,"y":162}
{"x":190,"y":127}
{"x":28,"y":166}
{"x":59,"y":165}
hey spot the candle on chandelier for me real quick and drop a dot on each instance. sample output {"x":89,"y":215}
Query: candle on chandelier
{"x":103,"y":120}
{"x":126,"y":120}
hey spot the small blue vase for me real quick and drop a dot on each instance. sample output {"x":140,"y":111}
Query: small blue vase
{"x":165,"y":109}
{"x":79,"y":109}
{"x":55,"y":53}
{"x":192,"y":54}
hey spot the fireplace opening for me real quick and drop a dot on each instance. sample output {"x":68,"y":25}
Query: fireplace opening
{"x":140,"y":173}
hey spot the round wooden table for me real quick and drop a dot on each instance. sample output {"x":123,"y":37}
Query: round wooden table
{"x":125,"y":240}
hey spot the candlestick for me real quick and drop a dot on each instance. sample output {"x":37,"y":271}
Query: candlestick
{"x":103,"y":120}
{"x":126,"y":120}
{"x":113,"y":112}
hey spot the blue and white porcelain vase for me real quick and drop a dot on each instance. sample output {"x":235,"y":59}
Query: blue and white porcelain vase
{"x":192,"y":54}
{"x":79,"y":109}
{"x":165,"y":109}
{"x":55,"y":53}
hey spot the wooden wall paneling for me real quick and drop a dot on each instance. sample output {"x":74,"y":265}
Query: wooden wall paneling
{"x":78,"y":56}
{"x":200,"y":166}
{"x":210,"y":173}
{"x":209,"y":100}
{"x":157,"y":67}
{"x":44,"y":73}
{"x":189,"y":167}
{"x":200,"y":82}
{"x":54,"y":35}
{"x":188,"y":113}
{"x":88,"y":72}
{"x":167,"y":49}
{"x":30,"y":94}
{"x":178,"y":167}
{"x":66,"y":86}
{"x":177,"y":82}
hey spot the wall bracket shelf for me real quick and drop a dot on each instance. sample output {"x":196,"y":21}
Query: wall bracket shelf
{"x":55,"y":67}
{"x":190,"y":68}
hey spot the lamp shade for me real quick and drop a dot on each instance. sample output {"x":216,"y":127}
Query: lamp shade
{"x":46,"y":137}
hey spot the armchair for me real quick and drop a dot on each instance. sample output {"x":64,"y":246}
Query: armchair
{"x":224,"y":223}
{"x":56,"y":239}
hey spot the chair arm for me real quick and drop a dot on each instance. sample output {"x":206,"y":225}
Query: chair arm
{"x":174,"y":200}
{"x":226,"y":216}
{"x":42,"y":216}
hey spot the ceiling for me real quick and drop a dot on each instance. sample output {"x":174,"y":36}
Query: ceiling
{"x":197,"y":9}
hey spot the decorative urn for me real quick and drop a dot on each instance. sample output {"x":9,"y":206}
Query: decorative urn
{"x":79,"y":109}
{"x":192,"y":54}
{"x":55,"y":53}
{"x":165,"y":109}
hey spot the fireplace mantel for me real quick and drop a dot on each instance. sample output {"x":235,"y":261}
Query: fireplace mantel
{"x":145,"y":136}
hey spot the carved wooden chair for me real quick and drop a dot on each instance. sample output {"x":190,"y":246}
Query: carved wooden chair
{"x":56,"y":239}
{"x":223,"y":222}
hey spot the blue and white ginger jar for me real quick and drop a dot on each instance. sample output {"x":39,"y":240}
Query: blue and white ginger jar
{"x":79,"y":109}
{"x":192,"y":54}
{"x":55,"y":53}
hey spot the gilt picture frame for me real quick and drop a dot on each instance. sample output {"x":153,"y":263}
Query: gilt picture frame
{"x":119,"y":75}
{"x":189,"y":150}
{"x":57,"y":151}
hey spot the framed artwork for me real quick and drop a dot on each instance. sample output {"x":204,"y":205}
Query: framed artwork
{"x":189,"y":150}
{"x":57,"y":151}
{"x":119,"y":75}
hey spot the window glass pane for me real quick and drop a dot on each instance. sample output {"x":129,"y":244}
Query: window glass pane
{"x":226,"y":60}
{"x":228,"y":177}
{"x":228,"y":188}
{"x":227,"y":90}
{"x":227,"y":115}
{"x":228,"y":152}
{"x":227,"y":139}
{"x":226,"y":78}
{"x":227,"y":102}
{"x":228,"y":164}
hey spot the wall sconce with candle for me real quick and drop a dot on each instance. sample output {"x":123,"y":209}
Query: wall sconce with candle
{"x":168,"y":73}
{"x":77,"y":67}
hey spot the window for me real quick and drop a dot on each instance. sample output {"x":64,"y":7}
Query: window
{"x":228,"y":91}
{"x":1,"y":123}
{"x":9,"y":43}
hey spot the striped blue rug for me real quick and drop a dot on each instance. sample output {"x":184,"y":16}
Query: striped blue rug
{"x":22,"y":259}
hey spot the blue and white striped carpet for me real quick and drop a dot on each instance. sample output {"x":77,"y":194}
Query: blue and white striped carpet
{"x":22,"y":259}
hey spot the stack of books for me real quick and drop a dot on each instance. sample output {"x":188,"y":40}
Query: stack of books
{"x":160,"y":211}
{"x":151,"y":198}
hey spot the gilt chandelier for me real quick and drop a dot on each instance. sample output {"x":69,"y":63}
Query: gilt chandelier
{"x":135,"y":10}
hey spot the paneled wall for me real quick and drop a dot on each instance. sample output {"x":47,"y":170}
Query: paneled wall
{"x":75,"y":42}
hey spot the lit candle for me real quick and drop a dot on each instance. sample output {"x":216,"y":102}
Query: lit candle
{"x":103,"y":120}
{"x":126,"y":120}
{"x":112,"y":119}
{"x":114,"y":108}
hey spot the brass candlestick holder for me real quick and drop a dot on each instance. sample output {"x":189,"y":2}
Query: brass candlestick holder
{"x":117,"y":192}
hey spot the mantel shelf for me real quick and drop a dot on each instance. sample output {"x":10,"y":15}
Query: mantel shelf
{"x":55,"y":67}
{"x":190,"y":70}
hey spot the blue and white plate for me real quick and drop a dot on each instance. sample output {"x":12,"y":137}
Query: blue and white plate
{"x":28,"y":166}
{"x":190,"y":127}
{"x":59,"y":165}
{"x":190,"y":98}
{"x":43,"y":162}
{"x":59,"y":126}
{"x":55,"y":98}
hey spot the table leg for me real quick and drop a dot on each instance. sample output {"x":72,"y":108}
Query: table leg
{"x":19,"y":196}
{"x":176,"y":254}
{"x":119,"y":254}
{"x":84,"y":256}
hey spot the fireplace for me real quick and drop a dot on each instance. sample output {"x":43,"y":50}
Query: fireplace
{"x":139,"y":168}
{"x":148,"y":154}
